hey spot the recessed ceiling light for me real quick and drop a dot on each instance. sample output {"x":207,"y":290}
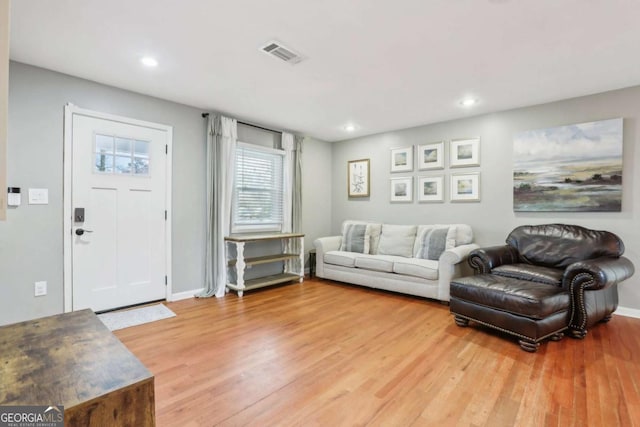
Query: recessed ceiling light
{"x":149,"y":61}
{"x":468,"y":102}
{"x":349,"y":128}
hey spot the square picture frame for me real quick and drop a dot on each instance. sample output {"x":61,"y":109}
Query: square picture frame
{"x":401,"y":189}
{"x":431,"y":189}
{"x":431,"y":156}
{"x":358,"y":178}
{"x":402,"y":159}
{"x":464,"y":152}
{"x":465,"y":187}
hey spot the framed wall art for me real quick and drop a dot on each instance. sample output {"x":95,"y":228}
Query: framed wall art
{"x":358,"y":176}
{"x":464,"y":152}
{"x":431,"y":189}
{"x":465,"y":187}
{"x":402,"y":189}
{"x":402,"y":159}
{"x":572,"y":168}
{"x":431,"y":156}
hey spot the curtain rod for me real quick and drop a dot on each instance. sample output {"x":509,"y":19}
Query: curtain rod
{"x":205,"y":115}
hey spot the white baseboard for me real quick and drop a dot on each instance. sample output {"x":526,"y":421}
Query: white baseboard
{"x":629,"y":312}
{"x":184,"y":295}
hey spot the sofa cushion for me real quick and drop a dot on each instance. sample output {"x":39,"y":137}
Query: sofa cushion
{"x":355,"y":238}
{"x":397,"y":240}
{"x":425,"y":268}
{"x":346,"y":259}
{"x":375,"y":262}
{"x":432,"y":241}
{"x":534,"y":273}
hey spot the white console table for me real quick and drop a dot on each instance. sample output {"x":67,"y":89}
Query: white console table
{"x":287,"y":255}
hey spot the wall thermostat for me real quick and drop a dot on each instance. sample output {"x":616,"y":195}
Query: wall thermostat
{"x":13,"y":198}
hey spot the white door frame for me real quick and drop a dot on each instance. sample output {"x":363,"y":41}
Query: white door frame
{"x":69,"y":111}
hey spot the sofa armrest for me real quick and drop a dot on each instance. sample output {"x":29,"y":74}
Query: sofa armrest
{"x":599,"y":273}
{"x":451,"y":265}
{"x":457,"y":254}
{"x":484,"y":260}
{"x":324,"y":245}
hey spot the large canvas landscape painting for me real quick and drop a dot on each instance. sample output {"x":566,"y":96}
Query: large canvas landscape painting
{"x":575,"y":168}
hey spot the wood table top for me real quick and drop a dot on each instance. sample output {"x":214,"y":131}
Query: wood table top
{"x":260,"y":236}
{"x":64,"y":359}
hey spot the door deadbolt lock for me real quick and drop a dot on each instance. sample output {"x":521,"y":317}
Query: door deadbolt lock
{"x":78,"y":215}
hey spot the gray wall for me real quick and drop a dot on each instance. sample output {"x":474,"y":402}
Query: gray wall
{"x":316,"y":190}
{"x":31,"y":238}
{"x":493,"y":217}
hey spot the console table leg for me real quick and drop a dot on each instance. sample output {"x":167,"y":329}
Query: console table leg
{"x":301,"y":252}
{"x":240,"y":266}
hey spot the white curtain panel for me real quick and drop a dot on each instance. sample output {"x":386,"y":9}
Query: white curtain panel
{"x":222,"y":138}
{"x":297,"y":187}
{"x":288,"y":145}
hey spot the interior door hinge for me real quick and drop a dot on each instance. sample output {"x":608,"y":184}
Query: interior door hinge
{"x":165,"y":214}
{"x":166,"y":149}
{"x":165,"y":280}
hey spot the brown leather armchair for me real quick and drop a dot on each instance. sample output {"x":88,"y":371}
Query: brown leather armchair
{"x":547,"y":279}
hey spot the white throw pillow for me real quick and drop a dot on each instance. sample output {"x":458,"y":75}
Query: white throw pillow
{"x":397,"y":240}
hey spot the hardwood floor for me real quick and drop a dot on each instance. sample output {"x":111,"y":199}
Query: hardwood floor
{"x":326,"y":354}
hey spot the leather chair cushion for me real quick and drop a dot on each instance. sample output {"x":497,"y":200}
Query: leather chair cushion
{"x":534,"y":273}
{"x":519,"y":297}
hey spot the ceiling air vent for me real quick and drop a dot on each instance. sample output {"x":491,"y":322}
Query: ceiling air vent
{"x":278,"y":50}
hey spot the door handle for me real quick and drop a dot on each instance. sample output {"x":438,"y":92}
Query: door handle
{"x":81,"y":231}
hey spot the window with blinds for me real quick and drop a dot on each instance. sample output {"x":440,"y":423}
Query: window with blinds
{"x":257,"y":201}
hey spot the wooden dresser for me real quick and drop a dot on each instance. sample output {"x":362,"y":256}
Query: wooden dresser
{"x":73,"y":360}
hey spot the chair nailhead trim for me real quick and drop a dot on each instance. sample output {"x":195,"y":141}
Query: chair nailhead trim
{"x":580,"y":302}
{"x":511,"y":332}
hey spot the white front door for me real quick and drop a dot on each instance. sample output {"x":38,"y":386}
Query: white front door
{"x":118,"y":207}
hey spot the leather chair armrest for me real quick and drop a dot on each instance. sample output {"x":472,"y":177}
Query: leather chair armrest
{"x":483,"y":260}
{"x":599,"y":273}
{"x":583,"y":276}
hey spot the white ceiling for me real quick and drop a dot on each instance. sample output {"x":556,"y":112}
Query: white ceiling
{"x":379,"y":64}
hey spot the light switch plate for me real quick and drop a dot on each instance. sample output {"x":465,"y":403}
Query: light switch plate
{"x":38,"y":196}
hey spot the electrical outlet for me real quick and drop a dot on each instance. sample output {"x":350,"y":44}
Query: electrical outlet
{"x":41,"y":289}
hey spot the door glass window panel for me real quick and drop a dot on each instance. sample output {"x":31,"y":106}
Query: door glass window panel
{"x":104,"y":143}
{"x":118,"y":155}
{"x":123,"y":146}
{"x":123,"y":164}
{"x":103,"y":154}
{"x":141,"y":149}
{"x":104,"y":163}
{"x":141,"y":166}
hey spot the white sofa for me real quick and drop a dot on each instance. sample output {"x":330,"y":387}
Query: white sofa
{"x":418,"y":260}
